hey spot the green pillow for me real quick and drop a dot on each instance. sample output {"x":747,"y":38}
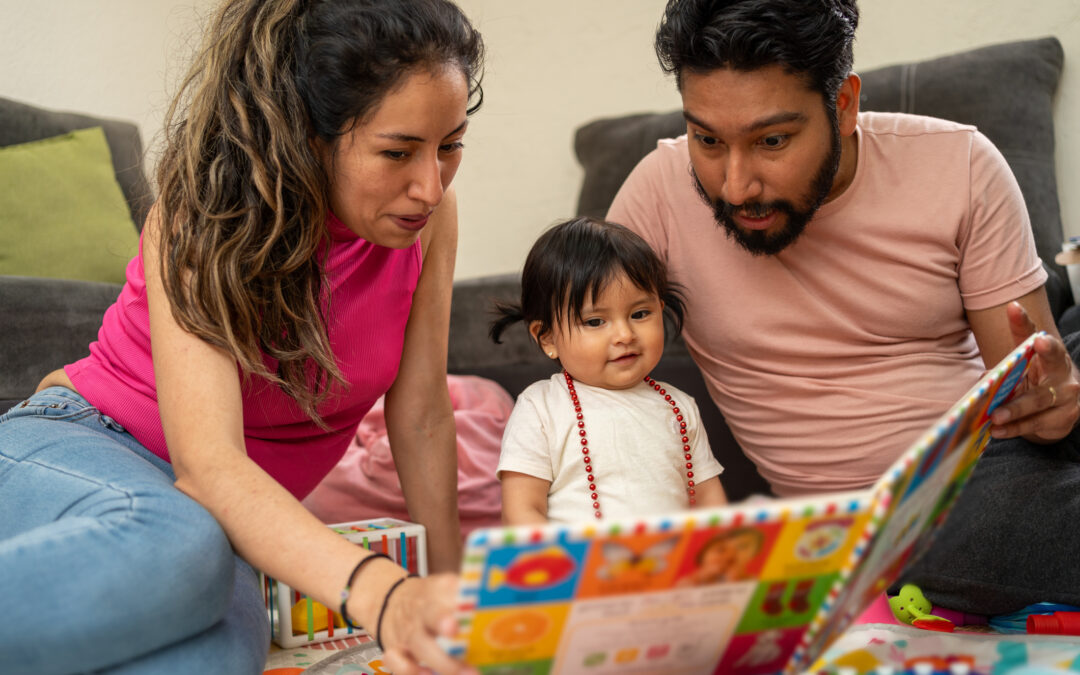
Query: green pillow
{"x":62,"y":213}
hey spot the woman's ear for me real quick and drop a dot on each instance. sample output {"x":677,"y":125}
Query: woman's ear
{"x":543,"y":339}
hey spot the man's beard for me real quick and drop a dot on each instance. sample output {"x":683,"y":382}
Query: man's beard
{"x":759,"y":242}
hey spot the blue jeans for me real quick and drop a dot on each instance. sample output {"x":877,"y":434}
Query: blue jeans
{"x":104,"y":565}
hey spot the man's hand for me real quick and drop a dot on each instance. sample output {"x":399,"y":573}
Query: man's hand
{"x":1047,"y":406}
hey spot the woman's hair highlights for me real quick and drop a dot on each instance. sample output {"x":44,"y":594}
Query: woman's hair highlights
{"x":243,"y":195}
{"x":573,"y":262}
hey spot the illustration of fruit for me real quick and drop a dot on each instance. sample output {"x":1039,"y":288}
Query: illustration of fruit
{"x":518,"y":629}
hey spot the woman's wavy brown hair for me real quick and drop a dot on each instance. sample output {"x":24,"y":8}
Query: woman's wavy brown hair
{"x":243,"y":195}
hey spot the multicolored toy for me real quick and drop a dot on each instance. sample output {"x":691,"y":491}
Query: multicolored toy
{"x":297,"y":620}
{"x":742,"y":590}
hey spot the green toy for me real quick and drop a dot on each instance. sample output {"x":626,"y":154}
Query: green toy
{"x":912,"y":607}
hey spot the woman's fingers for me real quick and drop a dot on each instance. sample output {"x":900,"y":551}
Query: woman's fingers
{"x":419,"y":613}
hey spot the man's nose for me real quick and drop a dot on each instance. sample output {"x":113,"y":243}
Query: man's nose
{"x":741,"y":183}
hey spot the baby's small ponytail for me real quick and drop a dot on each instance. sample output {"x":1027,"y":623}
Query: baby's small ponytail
{"x":508,"y":313}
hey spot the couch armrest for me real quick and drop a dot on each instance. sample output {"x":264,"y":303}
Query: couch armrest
{"x":47,"y":324}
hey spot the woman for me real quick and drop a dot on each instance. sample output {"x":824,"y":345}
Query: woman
{"x":297,"y":265}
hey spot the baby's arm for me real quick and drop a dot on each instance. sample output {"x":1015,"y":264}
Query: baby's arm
{"x":524,"y":498}
{"x":709,"y":493}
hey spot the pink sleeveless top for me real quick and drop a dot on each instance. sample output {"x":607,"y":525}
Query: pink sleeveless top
{"x":371,"y":289}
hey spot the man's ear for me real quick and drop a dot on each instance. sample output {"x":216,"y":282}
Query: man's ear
{"x":543,"y":339}
{"x":847,"y":104}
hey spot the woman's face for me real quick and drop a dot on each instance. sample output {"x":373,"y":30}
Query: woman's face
{"x":390,"y":171}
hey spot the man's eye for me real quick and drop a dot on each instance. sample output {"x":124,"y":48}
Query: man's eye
{"x":773,"y":142}
{"x":706,"y":140}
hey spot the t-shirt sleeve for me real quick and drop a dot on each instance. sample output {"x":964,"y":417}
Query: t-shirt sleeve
{"x":526,"y":447}
{"x":998,"y":260}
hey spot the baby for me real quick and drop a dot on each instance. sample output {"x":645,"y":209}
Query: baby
{"x":601,"y":438}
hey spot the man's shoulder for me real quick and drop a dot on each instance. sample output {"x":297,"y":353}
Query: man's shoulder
{"x":669,"y":151}
{"x":904,"y":125}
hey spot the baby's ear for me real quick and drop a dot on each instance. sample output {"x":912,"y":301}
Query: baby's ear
{"x":543,"y":340}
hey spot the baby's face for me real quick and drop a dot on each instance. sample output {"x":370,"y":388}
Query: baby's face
{"x":618,"y":341}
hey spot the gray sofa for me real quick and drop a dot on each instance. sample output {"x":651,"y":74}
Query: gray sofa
{"x":1007,"y":90}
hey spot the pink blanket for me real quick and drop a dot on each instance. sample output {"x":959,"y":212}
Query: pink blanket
{"x":364,"y":484}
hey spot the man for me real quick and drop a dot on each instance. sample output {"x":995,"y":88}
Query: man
{"x":849,"y":276}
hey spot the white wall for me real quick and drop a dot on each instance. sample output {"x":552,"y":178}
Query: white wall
{"x":556,"y":64}
{"x":552,"y":66}
{"x":112,"y":58}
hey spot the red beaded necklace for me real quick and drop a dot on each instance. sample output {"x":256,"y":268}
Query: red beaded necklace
{"x":585,"y":441}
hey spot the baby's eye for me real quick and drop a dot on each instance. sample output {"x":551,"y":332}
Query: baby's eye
{"x":641,"y":314}
{"x":593,"y":323}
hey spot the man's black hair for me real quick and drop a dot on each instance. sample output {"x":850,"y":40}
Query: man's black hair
{"x":809,"y":38}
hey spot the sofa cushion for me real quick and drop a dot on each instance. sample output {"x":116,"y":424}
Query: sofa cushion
{"x":47,"y":324}
{"x":1005,"y":90}
{"x":62,"y":213}
{"x":23,"y":123}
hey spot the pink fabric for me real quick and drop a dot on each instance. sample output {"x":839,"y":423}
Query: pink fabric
{"x":364,"y":484}
{"x":829,"y":358}
{"x":370,"y":294}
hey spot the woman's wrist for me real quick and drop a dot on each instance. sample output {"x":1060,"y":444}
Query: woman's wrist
{"x":369,"y":590}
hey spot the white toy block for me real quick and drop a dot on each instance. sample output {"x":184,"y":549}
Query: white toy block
{"x":404,"y":542}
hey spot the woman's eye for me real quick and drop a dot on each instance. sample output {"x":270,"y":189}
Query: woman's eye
{"x":451,"y":147}
{"x":708,"y":141}
{"x":395,"y":154}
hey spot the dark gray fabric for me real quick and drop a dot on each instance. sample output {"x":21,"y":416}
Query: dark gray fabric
{"x":1005,"y":90}
{"x":21,"y":123}
{"x":518,"y":362}
{"x":608,"y":149}
{"x":47,"y":324}
{"x":1010,"y":540}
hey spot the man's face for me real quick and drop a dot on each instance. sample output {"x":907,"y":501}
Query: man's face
{"x":764,"y":152}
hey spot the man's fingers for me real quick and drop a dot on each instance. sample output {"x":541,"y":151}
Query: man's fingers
{"x":1020,"y":323}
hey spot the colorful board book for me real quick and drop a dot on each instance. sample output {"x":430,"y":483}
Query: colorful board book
{"x":746,"y":589}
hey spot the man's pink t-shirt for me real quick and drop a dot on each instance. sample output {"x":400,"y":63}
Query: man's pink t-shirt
{"x":370,"y":294}
{"x":829,"y":358}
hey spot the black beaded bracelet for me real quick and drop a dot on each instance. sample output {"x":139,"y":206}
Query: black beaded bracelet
{"x":382,"y":611}
{"x":349,"y":583}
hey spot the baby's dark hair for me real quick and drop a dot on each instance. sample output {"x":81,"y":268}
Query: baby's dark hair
{"x":573,"y":262}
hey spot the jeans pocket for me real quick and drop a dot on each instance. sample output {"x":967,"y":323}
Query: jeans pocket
{"x":61,"y":404}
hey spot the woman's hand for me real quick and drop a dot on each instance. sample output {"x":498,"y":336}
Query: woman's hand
{"x":418,"y":612}
{"x":1048,"y":405}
